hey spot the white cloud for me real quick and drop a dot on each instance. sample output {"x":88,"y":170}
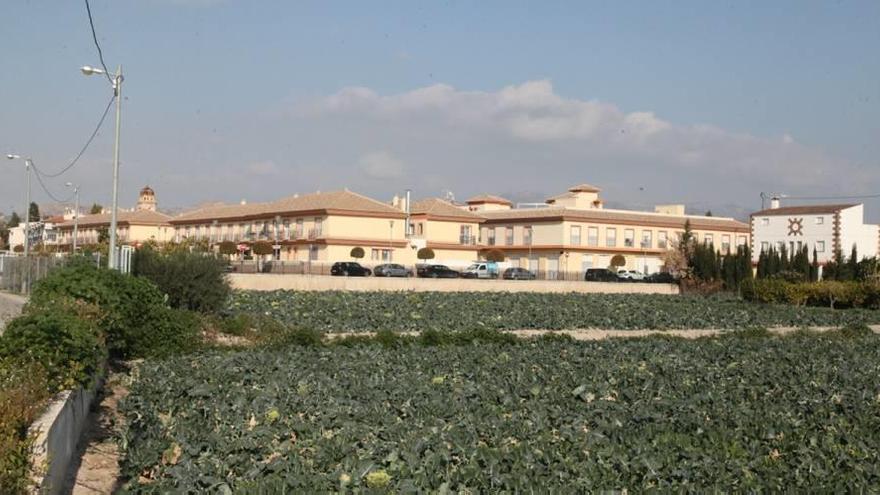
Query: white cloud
{"x":381,"y":165}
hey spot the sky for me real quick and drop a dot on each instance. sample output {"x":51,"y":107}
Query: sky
{"x":698,"y":102}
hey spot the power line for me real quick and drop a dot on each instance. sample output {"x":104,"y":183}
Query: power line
{"x":46,"y":190}
{"x":97,"y":45}
{"x":86,"y":146}
{"x":810,"y":198}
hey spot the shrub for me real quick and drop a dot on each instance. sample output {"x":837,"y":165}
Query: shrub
{"x":193,"y":281}
{"x":70,"y":348}
{"x":828,"y":293}
{"x":132,"y":309}
{"x":23,"y":393}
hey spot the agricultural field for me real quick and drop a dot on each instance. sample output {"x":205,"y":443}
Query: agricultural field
{"x":416,"y":311}
{"x":741,"y":412}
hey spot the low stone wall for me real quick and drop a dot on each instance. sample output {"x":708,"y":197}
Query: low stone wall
{"x":57,"y":432}
{"x":252,"y":281}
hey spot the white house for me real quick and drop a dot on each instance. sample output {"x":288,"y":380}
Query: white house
{"x":825,"y":228}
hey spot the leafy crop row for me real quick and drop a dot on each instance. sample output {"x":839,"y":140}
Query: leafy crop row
{"x":415,"y":311}
{"x":744,"y":412}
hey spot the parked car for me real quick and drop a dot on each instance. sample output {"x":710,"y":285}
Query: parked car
{"x":660,"y":278}
{"x":600,"y":275}
{"x":392,"y":270}
{"x":437,"y":271}
{"x":349,"y":269}
{"x":631,"y":275}
{"x":518,"y":274}
{"x":481,"y":269}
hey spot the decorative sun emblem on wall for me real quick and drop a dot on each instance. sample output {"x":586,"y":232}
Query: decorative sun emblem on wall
{"x":795,"y":226}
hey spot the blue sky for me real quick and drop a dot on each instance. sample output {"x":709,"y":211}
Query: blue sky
{"x":230,"y":99}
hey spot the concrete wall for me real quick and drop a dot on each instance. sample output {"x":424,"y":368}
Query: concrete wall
{"x":57,"y":433}
{"x":248,"y":281}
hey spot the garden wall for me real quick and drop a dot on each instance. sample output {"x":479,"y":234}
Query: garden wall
{"x":57,"y":433}
{"x":267,"y":281}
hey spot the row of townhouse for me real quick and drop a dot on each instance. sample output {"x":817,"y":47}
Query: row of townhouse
{"x":571,"y":232}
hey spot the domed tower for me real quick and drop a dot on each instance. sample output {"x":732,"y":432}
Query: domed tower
{"x":146,"y":200}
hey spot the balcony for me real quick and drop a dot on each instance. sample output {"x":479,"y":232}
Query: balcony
{"x":646,"y":244}
{"x":314,"y":234}
{"x":628,"y":243}
{"x":467,"y":240}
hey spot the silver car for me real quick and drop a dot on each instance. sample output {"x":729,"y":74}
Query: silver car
{"x":392,"y":270}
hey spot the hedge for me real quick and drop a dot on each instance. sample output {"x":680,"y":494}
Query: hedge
{"x":827,"y":293}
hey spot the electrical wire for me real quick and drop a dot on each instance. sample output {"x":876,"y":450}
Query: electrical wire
{"x":45,"y":189}
{"x":86,"y":146}
{"x":814,"y":198}
{"x":97,"y":45}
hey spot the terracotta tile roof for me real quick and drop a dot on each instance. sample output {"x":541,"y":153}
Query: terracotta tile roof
{"x":611,"y":216}
{"x":564,"y":195}
{"x":323,"y":201}
{"x":437,"y":207}
{"x":128,"y":217}
{"x":803,"y":210}
{"x":584,"y":188}
{"x":488,"y":198}
{"x":334,"y":200}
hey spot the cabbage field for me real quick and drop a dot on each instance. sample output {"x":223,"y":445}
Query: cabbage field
{"x":415,"y":311}
{"x":740,"y":412}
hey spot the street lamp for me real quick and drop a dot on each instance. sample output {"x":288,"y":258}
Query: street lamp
{"x":112,"y":262}
{"x":390,"y":240}
{"x":75,"y":213}
{"x":27,"y":219}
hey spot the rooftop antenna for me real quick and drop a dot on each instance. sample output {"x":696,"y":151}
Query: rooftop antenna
{"x":448,"y":195}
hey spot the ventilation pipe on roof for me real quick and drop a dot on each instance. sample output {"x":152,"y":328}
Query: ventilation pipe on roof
{"x":774,"y":202}
{"x":406,"y":227}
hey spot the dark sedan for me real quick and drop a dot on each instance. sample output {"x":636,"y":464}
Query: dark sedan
{"x":600,"y":275}
{"x":517,"y":274}
{"x":349,"y":269}
{"x":437,"y":271}
{"x":392,"y":270}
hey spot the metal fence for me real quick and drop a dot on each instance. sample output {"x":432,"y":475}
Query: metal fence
{"x":17,"y":272}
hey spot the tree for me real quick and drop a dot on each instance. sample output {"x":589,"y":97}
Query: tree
{"x":14,"y":220}
{"x":709,"y":213}
{"x":96,"y":209}
{"x":617,"y":260}
{"x":34,"y":211}
{"x":262,"y":248}
{"x":103,"y":235}
{"x":227,"y":248}
{"x":425,"y":254}
{"x":495,"y":255}
{"x":357,"y":252}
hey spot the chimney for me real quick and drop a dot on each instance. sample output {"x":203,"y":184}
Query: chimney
{"x":395,"y":201}
{"x":774,"y":202}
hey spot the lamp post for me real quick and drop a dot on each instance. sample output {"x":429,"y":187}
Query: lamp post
{"x":27,"y":220}
{"x":390,"y":240}
{"x":117,"y":91}
{"x":75,"y":213}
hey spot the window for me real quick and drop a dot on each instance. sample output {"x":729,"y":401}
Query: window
{"x":421,"y":228}
{"x":629,"y":237}
{"x":464,"y":235}
{"x":662,"y":239}
{"x":646,"y":239}
{"x":709,"y":239}
{"x":780,"y":245}
{"x":820,"y":246}
{"x":765,"y":246}
{"x":508,"y":236}
{"x":319,"y":225}
{"x":490,"y":236}
{"x":765,"y":221}
{"x":380,"y":255}
{"x":741,"y":240}
{"x":575,"y":235}
{"x":592,"y":236}
{"x":820,"y":220}
{"x":725,"y":243}
{"x":527,"y":235}
{"x":299,"y":228}
{"x":611,"y":237}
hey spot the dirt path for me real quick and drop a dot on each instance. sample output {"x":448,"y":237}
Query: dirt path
{"x":10,"y":307}
{"x":97,"y":471}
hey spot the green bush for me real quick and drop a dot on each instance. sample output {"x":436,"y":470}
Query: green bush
{"x":69,"y":347}
{"x":24,"y":390}
{"x":827,"y":293}
{"x":192,"y":280}
{"x":133,"y":313}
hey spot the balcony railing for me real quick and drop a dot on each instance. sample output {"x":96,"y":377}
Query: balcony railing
{"x":314,"y":233}
{"x":467,"y":240}
{"x":646,"y":244}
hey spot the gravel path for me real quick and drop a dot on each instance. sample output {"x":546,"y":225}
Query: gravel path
{"x":10,"y":307}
